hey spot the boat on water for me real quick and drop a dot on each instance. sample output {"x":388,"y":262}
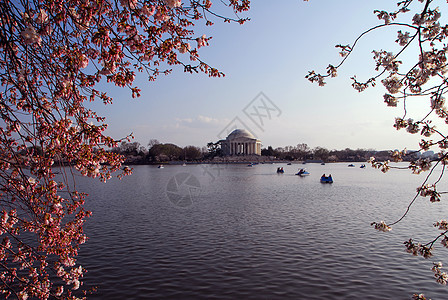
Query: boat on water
{"x":288,"y":164}
{"x":326,"y":179}
{"x":160,"y":167}
{"x":250,"y":165}
{"x":351,"y":165}
{"x":362,"y":166}
{"x":184,"y":165}
{"x":303,"y":173}
{"x":280,"y":170}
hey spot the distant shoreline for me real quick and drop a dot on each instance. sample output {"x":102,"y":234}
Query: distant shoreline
{"x":240,"y":162}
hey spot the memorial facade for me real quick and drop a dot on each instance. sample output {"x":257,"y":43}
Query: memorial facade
{"x":240,"y":142}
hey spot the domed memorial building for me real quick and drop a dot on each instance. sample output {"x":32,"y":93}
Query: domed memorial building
{"x":240,"y":142}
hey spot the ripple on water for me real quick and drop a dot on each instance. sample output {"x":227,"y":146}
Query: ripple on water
{"x":251,"y":234}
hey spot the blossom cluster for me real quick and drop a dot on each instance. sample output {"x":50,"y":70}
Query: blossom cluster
{"x":418,"y":249}
{"x":385,"y":16}
{"x":413,"y":127}
{"x":30,"y":36}
{"x":386,"y":60}
{"x":313,"y":77}
{"x":390,"y":100}
{"x":441,"y":225}
{"x":420,"y":165}
{"x":441,"y":277}
{"x":418,"y":297}
{"x":397,"y":155}
{"x":381,"y":226}
{"x":392,"y":83}
{"x":173,"y":3}
{"x":332,"y":71}
{"x":438,"y":102}
{"x":429,"y":191}
{"x":345,"y":50}
{"x":403,"y":39}
{"x":383,"y":166}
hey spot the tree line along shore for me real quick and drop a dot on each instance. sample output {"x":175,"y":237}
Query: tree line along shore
{"x":156,"y":153}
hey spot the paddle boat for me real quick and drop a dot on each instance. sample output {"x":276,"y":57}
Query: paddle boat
{"x":303,"y":172}
{"x":326,"y":179}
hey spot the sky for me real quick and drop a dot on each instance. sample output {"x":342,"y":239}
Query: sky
{"x":265,"y":62}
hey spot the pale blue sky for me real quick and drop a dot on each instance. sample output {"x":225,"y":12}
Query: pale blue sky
{"x":272,"y":54}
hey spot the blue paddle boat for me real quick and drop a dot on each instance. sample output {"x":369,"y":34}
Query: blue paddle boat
{"x":303,"y":172}
{"x":326,"y":179}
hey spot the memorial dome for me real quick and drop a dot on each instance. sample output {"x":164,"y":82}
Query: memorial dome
{"x":240,"y":133}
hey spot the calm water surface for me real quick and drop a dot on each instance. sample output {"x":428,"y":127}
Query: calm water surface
{"x":238,"y":232}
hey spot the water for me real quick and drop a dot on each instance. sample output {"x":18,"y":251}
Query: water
{"x":238,"y":232}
